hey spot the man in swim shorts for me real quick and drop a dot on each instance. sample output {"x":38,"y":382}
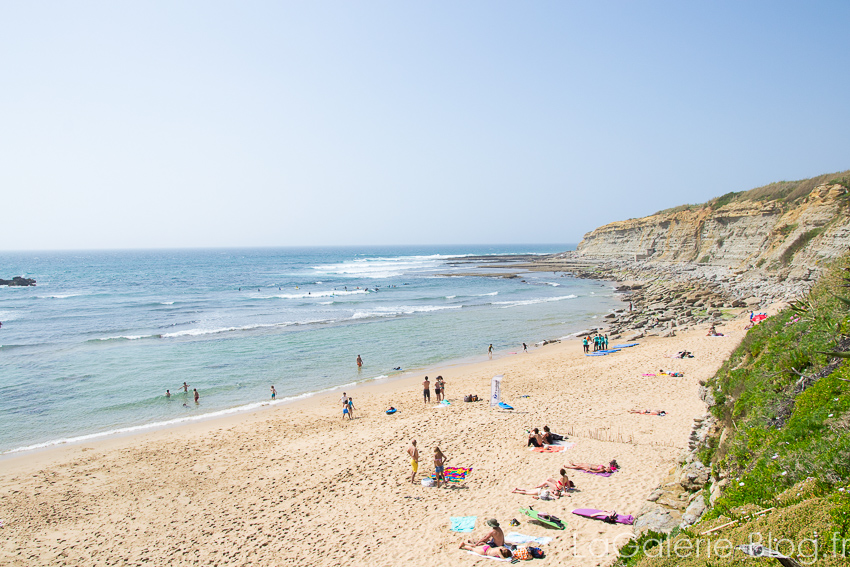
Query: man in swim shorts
{"x":414,"y":459}
{"x":274,"y":393}
{"x":359,"y":362}
{"x":426,"y":390}
{"x":197,"y":395}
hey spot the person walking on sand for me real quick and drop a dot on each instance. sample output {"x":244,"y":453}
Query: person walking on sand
{"x":439,"y":466}
{"x":524,"y":347}
{"x":197,"y":395}
{"x":359,"y":362}
{"x":426,"y":390}
{"x":345,"y":411}
{"x":490,"y":351}
{"x":350,"y":407}
{"x":414,"y":459}
{"x":274,"y":393}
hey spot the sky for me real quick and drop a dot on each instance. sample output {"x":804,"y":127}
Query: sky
{"x":181,"y":124}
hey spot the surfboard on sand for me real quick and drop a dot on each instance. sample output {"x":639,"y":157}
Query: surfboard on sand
{"x":545,"y":519}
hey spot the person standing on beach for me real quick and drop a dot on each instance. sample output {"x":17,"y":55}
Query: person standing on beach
{"x":274,"y":393}
{"x":426,"y":390}
{"x":344,"y":399}
{"x":345,"y":411}
{"x":197,"y":395}
{"x":350,"y":407}
{"x":585,"y":344}
{"x":439,"y":466}
{"x":414,"y":460}
{"x":438,"y":387}
{"x":524,"y":347}
{"x":359,"y":362}
{"x":490,"y":351}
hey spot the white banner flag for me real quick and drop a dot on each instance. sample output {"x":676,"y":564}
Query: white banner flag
{"x":496,"y":390}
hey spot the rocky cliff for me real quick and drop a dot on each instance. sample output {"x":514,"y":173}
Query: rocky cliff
{"x":773,"y":237}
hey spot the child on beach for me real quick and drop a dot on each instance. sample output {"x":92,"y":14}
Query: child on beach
{"x":345,"y":411}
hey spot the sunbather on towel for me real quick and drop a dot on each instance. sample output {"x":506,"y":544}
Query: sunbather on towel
{"x":554,"y":487}
{"x":612,"y":466}
{"x":488,"y":551}
{"x":494,"y":538}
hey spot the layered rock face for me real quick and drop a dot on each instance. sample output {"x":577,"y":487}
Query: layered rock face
{"x":770,"y":237}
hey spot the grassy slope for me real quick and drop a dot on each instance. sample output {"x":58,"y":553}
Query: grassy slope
{"x":786,"y":411}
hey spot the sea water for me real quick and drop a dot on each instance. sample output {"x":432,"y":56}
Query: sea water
{"x":91,"y":350}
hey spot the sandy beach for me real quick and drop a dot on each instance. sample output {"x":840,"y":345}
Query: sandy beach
{"x":296,"y":485}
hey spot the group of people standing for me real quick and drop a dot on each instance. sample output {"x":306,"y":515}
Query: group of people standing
{"x":347,"y":406}
{"x":439,"y":464}
{"x":600,"y":342}
{"x":439,"y":389}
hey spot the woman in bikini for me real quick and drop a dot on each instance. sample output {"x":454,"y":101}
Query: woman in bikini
{"x":555,"y":487}
{"x":487,"y":551}
{"x":612,"y":466}
{"x":438,"y":388}
{"x":439,"y":466}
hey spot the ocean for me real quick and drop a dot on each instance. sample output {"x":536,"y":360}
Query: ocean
{"x":91,"y":350}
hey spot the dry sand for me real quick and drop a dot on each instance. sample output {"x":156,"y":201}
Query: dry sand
{"x":296,"y":485}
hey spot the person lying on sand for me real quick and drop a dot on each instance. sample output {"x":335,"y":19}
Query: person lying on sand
{"x":555,"y":487}
{"x":649,"y":412}
{"x":487,"y":551}
{"x":612,"y":466}
{"x":538,"y":493}
{"x":494,"y":538}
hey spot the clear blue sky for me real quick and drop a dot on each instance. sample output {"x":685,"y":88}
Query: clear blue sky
{"x":201,"y":124}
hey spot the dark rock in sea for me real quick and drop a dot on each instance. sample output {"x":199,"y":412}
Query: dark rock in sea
{"x":18,"y":281}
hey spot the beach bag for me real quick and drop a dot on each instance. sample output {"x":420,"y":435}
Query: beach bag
{"x":467,"y":398}
{"x":522,"y":553}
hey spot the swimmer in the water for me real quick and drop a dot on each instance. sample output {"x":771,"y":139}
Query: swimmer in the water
{"x":167,"y":394}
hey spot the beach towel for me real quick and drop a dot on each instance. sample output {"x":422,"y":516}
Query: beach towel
{"x":515,"y":538}
{"x":462,"y":523}
{"x":454,"y":474}
{"x":489,"y":557}
{"x":599,"y":473}
{"x":545,"y":519}
{"x":594,"y":514}
{"x":557,"y":448}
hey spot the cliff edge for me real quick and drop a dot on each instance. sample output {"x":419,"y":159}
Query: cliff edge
{"x":783,"y":231}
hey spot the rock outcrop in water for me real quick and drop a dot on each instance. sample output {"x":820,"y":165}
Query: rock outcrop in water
{"x":18,"y":281}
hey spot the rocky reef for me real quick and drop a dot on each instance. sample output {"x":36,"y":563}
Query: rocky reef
{"x":18,"y":281}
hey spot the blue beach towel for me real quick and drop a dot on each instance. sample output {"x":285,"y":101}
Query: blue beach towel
{"x":462,"y":523}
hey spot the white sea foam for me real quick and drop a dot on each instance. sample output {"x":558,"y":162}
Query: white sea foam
{"x":450,"y":296}
{"x":553,"y":284}
{"x":129,"y":337}
{"x":382,"y":268}
{"x":401,"y":310}
{"x":324,"y":293}
{"x":487,"y":294}
{"x":506,"y":304}
{"x":166,"y":303}
{"x":59,"y":296}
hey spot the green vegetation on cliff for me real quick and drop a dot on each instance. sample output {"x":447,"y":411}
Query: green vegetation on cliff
{"x":783,"y":400}
{"x":789,"y":192}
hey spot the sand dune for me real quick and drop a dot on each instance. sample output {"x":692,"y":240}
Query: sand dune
{"x":296,"y":485}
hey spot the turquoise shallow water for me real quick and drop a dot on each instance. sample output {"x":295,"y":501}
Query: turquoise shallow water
{"x":92,"y":349}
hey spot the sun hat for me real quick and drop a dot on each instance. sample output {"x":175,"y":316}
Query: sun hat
{"x":492,"y":523}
